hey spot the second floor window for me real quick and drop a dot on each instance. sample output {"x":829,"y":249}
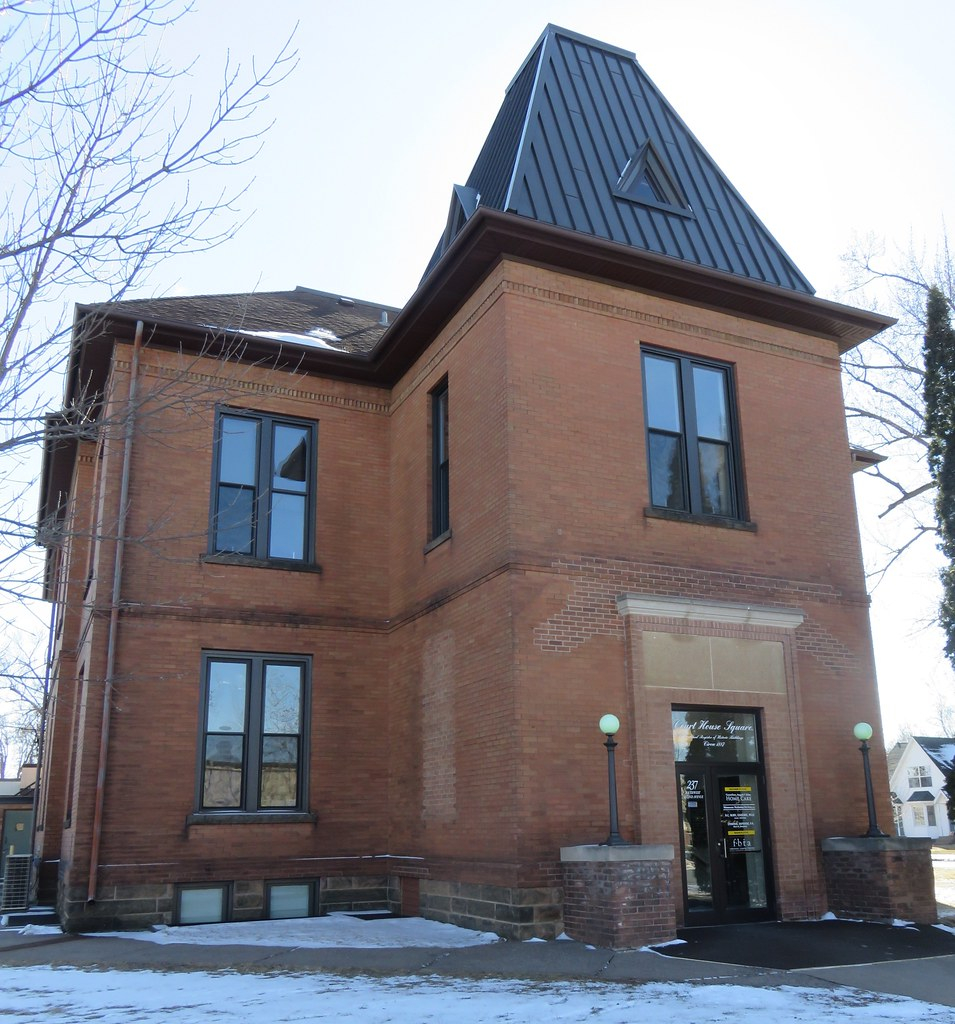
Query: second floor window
{"x":919,"y":777}
{"x":264,"y":487}
{"x":692,"y":443}
{"x":440,"y":465}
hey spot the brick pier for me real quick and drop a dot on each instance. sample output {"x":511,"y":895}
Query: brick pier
{"x":620,"y":897}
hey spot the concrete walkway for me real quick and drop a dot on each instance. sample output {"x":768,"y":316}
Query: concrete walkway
{"x":927,"y":977}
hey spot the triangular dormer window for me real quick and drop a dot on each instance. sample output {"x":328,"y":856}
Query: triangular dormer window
{"x":464,"y":201}
{"x":646,"y":180}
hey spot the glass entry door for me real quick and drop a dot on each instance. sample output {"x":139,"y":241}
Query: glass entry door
{"x":724,"y":848}
{"x":727,"y":872}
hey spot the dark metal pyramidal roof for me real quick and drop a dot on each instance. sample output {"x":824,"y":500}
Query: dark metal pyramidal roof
{"x":584,"y":140}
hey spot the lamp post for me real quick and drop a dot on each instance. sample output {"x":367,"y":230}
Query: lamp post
{"x":863,"y":732}
{"x":609,"y":725}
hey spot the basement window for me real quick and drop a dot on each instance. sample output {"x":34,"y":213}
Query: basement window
{"x":202,"y":904}
{"x":289,"y":899}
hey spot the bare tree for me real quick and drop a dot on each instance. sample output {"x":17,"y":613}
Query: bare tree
{"x":884,"y":383}
{"x":104,"y":172}
{"x":21,"y":725}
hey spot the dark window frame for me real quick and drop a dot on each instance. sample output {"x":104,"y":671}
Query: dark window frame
{"x":274,"y":883}
{"x":689,"y":439}
{"x":440,"y":525}
{"x":263,"y":490}
{"x":226,"y":894}
{"x":253,"y":734}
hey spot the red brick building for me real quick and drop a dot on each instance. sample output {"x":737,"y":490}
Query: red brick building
{"x":343,"y":590}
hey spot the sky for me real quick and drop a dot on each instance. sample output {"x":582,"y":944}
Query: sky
{"x":831,"y":117}
{"x":70,"y":996}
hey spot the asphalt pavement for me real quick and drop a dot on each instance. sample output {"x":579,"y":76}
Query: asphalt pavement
{"x":919,"y":963}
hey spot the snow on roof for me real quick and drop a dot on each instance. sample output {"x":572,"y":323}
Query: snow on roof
{"x":941,"y":749}
{"x":318,"y":337}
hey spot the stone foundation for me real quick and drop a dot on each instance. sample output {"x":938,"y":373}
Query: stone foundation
{"x":131,"y":907}
{"x":512,"y":912}
{"x":372,"y":892}
{"x":881,"y":880}
{"x":619,"y":897}
{"x":116,"y":908}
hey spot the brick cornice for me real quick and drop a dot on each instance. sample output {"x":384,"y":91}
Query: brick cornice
{"x":683,"y":327}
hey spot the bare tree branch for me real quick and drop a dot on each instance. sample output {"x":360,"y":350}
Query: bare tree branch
{"x":884,"y":383}
{"x":105,"y":172}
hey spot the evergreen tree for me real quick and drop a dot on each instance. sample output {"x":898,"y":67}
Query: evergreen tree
{"x":939,"y":391}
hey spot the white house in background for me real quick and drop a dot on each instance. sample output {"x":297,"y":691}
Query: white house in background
{"x":917,"y":770}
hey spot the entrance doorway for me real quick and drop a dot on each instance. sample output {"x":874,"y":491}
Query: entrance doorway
{"x":727,"y":869}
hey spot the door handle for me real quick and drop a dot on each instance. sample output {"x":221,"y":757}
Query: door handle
{"x":725,"y":854}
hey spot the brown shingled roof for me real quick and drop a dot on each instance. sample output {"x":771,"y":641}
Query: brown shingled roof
{"x":350,"y":325}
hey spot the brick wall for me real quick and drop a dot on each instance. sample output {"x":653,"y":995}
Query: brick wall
{"x":457,"y":688}
{"x":881,"y":879}
{"x":619,"y":897}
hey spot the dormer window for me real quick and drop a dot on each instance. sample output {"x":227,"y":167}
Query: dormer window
{"x":646,"y":180}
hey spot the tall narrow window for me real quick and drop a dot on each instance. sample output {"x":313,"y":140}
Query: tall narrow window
{"x":440,"y":497}
{"x":264,"y":490}
{"x":692,"y":445}
{"x":253,"y":735}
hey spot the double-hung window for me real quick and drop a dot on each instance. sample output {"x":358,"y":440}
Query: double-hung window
{"x":264,"y":487}
{"x":692,"y":441}
{"x":254,"y":732}
{"x":440,"y":464}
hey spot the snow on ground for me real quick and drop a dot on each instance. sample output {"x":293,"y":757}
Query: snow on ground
{"x":66,"y":995}
{"x":41,"y":995}
{"x":333,"y":930}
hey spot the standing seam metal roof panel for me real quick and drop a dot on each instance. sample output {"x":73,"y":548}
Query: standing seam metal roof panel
{"x":574,"y":115}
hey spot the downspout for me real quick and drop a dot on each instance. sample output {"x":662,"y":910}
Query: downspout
{"x":114,"y":618}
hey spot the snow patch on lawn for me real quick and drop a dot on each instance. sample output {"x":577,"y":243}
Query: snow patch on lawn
{"x":71,"y":996}
{"x":333,"y":930}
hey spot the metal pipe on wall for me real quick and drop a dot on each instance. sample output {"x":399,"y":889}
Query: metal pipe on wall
{"x":114,"y":618}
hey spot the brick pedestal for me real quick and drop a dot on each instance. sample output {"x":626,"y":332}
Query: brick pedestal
{"x":880,"y":879}
{"x":619,"y":897}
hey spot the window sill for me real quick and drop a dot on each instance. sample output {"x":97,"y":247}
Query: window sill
{"x":250,"y":818}
{"x":260,"y":563}
{"x":674,"y":515}
{"x":437,"y":542}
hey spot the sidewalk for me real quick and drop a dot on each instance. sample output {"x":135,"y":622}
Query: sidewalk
{"x":929,"y":976}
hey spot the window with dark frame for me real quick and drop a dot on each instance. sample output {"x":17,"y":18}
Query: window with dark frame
{"x":440,"y":476}
{"x":264,"y":487}
{"x":692,"y":439}
{"x":285,"y":900}
{"x":202,"y":904}
{"x":253,"y":742}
